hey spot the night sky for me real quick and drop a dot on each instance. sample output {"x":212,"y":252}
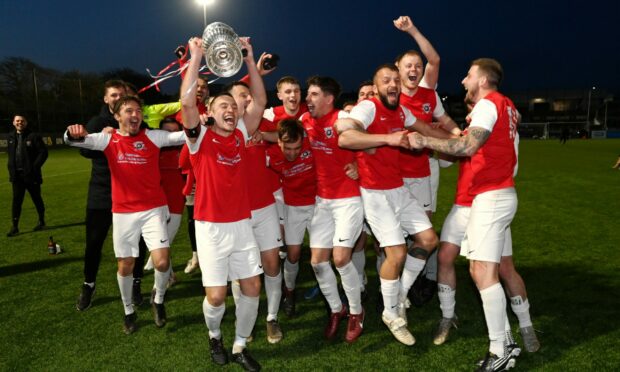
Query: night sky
{"x":541,"y":44}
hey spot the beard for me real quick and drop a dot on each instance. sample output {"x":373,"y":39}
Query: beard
{"x":386,"y":103}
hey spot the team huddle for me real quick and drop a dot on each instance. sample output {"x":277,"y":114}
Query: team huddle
{"x":260,"y":178}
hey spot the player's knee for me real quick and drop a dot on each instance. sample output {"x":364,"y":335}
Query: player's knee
{"x":216,"y":299}
{"x":396,"y":255}
{"x":341,"y":260}
{"x":430,"y":241}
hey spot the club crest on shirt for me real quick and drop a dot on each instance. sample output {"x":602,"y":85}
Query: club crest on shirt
{"x":426,"y":108}
{"x":138,"y":145}
{"x":305,"y":155}
{"x":329,"y":132}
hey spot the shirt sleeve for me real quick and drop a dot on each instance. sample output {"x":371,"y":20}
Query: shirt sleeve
{"x":484,"y":115}
{"x":162,"y":138}
{"x":410,"y":119}
{"x":439,"y":110}
{"x":94,"y":141}
{"x":269,"y":114}
{"x":364,"y":112}
{"x":243,"y":129}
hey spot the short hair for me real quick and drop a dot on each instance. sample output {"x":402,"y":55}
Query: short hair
{"x":327,"y":84}
{"x":169,"y":120}
{"x":22,"y":115}
{"x":347,"y":103}
{"x":223,"y":93}
{"x":290,"y":130}
{"x":229,"y":87}
{"x":364,"y":84}
{"x":115,"y":83}
{"x":124,"y":100}
{"x":410,"y":52}
{"x":389,"y":66}
{"x":287,"y":80}
{"x":491,"y":69}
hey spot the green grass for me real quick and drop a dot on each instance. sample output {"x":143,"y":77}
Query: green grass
{"x":566,"y":242}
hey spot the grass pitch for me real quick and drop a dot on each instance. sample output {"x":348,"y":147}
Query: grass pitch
{"x":566,"y":243}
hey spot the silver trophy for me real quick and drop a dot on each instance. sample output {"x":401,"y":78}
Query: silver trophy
{"x":222,"y":49}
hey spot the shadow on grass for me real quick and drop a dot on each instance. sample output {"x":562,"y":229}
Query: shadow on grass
{"x":50,"y":228}
{"x":29,"y":267}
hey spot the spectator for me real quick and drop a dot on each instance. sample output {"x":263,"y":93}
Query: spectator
{"x":27,"y":153}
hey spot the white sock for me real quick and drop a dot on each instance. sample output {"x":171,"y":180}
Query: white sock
{"x":213,"y":318}
{"x":125,"y":284}
{"x":413,"y":267}
{"x":92,"y":285}
{"x":447,"y":300}
{"x":509,"y":339}
{"x":195,"y":256}
{"x":352,"y":287}
{"x":494,"y":305}
{"x":161,"y":281}
{"x":329,"y":285}
{"x":521,"y":308}
{"x":273,"y":288}
{"x":290,"y":274}
{"x":389,"y":291}
{"x":246,"y":312}
{"x":359,"y":261}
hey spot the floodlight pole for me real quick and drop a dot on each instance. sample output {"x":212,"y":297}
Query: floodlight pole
{"x":588,"y":114}
{"x":204,"y":13}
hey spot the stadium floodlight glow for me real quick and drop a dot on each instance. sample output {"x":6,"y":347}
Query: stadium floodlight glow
{"x":204,"y":4}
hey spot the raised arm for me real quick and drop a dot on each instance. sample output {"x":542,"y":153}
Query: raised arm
{"x":254,"y":111}
{"x":431,"y":72}
{"x":189,"y":110}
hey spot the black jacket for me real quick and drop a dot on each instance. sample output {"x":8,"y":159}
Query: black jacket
{"x":34,"y":154}
{"x":100,"y":187}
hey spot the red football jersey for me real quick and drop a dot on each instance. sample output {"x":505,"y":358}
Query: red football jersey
{"x":381,"y":169}
{"x":219,"y":165}
{"x":463,"y":183}
{"x":298,"y":176}
{"x":330,"y":159}
{"x":171,"y":178}
{"x":424,"y":105}
{"x":259,"y":176}
{"x":269,"y":123}
{"x":134,"y":166}
{"x":493,"y":165}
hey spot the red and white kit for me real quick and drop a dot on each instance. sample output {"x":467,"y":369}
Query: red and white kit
{"x":224,"y":237}
{"x":298,"y":188}
{"x":138,"y":200}
{"x":389,"y":207}
{"x":424,"y":105}
{"x":492,"y":181}
{"x":338,"y":213}
{"x":271,"y":118}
